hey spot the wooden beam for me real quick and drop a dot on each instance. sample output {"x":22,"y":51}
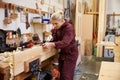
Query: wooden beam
{"x":95,"y":16}
{"x":2,"y":5}
{"x":101,"y":26}
{"x":92,"y":13}
{"x":113,"y":14}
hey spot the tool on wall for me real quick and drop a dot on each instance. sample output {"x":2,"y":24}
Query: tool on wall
{"x":10,"y":10}
{"x":19,"y":32}
{"x":14,"y":15}
{"x":42,"y":1}
{"x":27,"y":21}
{"x":67,"y":11}
{"x":113,"y":21}
{"x":7,"y":19}
{"x":38,"y":9}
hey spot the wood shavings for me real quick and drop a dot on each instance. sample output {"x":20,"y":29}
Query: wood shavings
{"x":5,"y":54}
{"x":6,"y":60}
{"x":11,"y":66}
{"x":2,"y":58}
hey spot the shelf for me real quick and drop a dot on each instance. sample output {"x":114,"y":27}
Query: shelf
{"x":94,"y":13}
{"x":30,"y":10}
{"x":38,"y":23}
{"x":113,"y":14}
{"x":35,"y":11}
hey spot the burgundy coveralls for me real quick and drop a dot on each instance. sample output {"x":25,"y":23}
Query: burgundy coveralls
{"x":64,"y":39}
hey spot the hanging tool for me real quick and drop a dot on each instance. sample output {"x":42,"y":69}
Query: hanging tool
{"x":7,"y":19}
{"x":14,"y":15}
{"x":42,"y":2}
{"x":10,"y":10}
{"x":27,"y":22}
{"x":19,"y":32}
{"x":113,"y":22}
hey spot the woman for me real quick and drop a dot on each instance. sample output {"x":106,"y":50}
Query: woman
{"x":64,"y":39}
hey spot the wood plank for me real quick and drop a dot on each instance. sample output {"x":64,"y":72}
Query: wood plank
{"x":117,"y":40}
{"x":106,"y":43}
{"x":101,"y":25}
{"x":22,"y":56}
{"x":109,"y":71}
{"x":117,"y":54}
{"x":26,"y":63}
{"x":78,"y":23}
{"x":84,"y":29}
{"x":86,"y":33}
{"x":113,"y":14}
{"x":87,"y":27}
{"x":92,"y":13}
{"x":88,"y":47}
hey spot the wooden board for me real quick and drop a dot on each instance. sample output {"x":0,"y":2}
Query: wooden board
{"x":83,"y":25}
{"x":26,"y":55}
{"x":106,"y":43}
{"x":101,"y":25}
{"x":87,"y":27}
{"x":117,"y":54}
{"x":117,"y":40}
{"x":86,"y":32}
{"x":109,"y":71}
{"x":88,"y":47}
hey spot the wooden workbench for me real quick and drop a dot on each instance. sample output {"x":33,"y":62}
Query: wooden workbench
{"x":22,"y":56}
{"x":109,"y":71}
{"x":4,"y":71}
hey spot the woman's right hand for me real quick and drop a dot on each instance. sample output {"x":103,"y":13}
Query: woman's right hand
{"x":48,"y":45}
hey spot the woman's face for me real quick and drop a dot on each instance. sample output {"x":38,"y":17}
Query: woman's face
{"x":57,"y":23}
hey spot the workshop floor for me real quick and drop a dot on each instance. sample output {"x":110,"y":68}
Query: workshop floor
{"x":90,"y":67}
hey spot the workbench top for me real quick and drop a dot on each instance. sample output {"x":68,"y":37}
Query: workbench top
{"x":21,"y":56}
{"x":109,"y":71}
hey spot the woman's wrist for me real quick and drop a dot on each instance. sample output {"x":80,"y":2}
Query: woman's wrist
{"x":53,"y":44}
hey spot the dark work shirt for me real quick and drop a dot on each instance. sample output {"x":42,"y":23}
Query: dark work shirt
{"x":64,"y":39}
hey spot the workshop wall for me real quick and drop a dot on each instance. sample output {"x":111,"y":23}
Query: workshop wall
{"x":16,"y":22}
{"x":113,"y":7}
{"x":55,"y":5}
{"x":26,"y":3}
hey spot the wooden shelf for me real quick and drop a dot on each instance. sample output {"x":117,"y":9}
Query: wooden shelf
{"x":35,"y":11}
{"x":113,"y":14}
{"x":38,"y":23}
{"x":94,"y":13}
